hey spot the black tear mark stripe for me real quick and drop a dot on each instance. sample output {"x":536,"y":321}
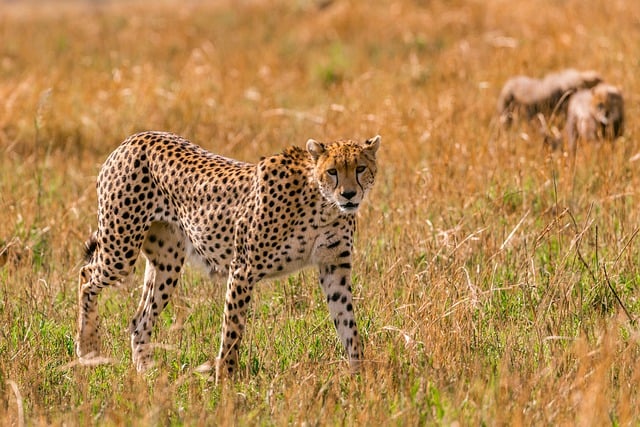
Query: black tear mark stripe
{"x":358,"y":181}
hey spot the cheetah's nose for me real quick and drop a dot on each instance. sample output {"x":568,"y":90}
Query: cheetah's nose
{"x":348,"y":194}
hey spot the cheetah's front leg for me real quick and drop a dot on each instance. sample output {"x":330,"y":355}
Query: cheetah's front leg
{"x":335,"y":280}
{"x":233,"y":323}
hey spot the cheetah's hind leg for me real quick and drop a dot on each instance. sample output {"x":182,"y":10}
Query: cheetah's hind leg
{"x":164,"y":250}
{"x":94,"y":276}
{"x":87,"y":340}
{"x":105,"y":266}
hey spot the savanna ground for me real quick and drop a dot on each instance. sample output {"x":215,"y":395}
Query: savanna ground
{"x":496,"y":280}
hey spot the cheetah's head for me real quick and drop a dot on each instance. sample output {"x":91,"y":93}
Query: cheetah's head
{"x":345,"y":170}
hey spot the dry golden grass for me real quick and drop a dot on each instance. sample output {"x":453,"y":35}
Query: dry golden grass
{"x":492,"y":275}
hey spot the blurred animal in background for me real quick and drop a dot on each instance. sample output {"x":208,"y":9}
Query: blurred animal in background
{"x":525,"y":97}
{"x":595,"y":114}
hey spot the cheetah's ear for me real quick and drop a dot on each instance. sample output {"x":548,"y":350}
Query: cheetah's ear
{"x":315,"y":148}
{"x":372,"y":144}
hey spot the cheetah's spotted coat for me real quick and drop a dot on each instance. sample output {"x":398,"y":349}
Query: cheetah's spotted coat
{"x":163,"y":196}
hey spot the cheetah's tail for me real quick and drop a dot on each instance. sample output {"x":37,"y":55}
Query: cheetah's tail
{"x":90,"y":247}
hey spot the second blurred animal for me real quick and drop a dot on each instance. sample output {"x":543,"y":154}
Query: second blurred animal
{"x":595,"y":114}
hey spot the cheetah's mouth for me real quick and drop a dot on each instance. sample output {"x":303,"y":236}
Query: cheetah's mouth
{"x":349,"y":207}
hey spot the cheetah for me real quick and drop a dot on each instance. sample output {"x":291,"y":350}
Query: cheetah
{"x":527,"y":96}
{"x":167,"y":198}
{"x":595,"y":114}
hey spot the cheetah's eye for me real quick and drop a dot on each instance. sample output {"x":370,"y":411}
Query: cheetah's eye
{"x":600,"y":106}
{"x":332,"y":172}
{"x":360,"y":169}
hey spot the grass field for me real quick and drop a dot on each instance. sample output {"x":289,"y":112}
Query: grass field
{"x":496,"y":281}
